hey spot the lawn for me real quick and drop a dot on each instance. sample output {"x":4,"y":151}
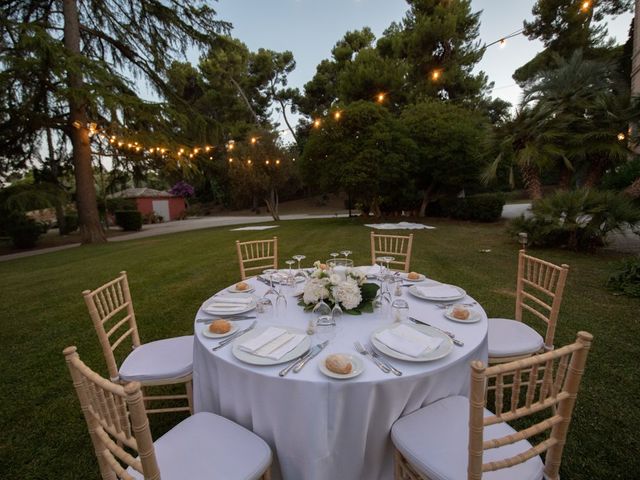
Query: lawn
{"x":43,"y":432}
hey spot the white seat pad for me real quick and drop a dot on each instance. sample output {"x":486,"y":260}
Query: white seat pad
{"x":209,"y":447}
{"x":510,"y":338}
{"x":162,"y":359}
{"x":435,"y":441}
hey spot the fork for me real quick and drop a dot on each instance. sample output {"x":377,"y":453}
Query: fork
{"x":447,"y":305}
{"x":229,"y":339}
{"x":375,"y":354}
{"x":362,"y":351}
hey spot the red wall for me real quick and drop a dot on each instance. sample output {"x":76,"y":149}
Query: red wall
{"x":176,"y":206}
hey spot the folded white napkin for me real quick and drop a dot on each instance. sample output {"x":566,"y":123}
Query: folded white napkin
{"x":273,"y":343}
{"x":233,"y":299}
{"x":224,"y":307}
{"x":407,"y":340}
{"x":439,"y":291}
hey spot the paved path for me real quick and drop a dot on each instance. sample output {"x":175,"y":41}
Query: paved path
{"x":180,"y":226}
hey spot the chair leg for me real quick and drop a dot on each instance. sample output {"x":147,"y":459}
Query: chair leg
{"x":189,"y":387}
{"x":267,"y":474}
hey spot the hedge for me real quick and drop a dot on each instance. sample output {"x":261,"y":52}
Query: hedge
{"x":129,"y":220}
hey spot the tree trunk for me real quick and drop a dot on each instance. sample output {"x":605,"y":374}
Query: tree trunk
{"x":596,"y":171}
{"x":88,"y":217}
{"x":286,"y":120}
{"x":633,"y":190}
{"x":426,"y":197}
{"x":375,"y":207}
{"x":246,"y":100}
{"x":272,"y":202}
{"x":565,"y":178}
{"x":532,"y":182}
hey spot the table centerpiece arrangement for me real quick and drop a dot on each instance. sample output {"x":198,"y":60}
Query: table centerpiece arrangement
{"x":338,"y":284}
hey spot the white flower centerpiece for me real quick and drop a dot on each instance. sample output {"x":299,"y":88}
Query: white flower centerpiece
{"x":344,"y":286}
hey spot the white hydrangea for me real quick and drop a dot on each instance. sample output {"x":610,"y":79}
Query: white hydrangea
{"x":335,"y":279}
{"x":347,"y":293}
{"x":358,"y":275}
{"x":314,"y":289}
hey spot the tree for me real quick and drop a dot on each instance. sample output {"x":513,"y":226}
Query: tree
{"x":438,"y":40}
{"x":101,"y":43}
{"x":451,"y":143}
{"x":565,"y":26}
{"x":365,"y":153}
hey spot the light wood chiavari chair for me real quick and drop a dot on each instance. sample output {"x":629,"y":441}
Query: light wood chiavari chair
{"x":433,"y":442}
{"x":257,"y":255}
{"x":396,"y":246}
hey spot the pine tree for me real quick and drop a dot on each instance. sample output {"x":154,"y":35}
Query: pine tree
{"x":85,"y":54}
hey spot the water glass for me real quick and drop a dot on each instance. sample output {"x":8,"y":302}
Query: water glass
{"x":399,"y":310}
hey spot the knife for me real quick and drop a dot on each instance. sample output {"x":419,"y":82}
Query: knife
{"x":231,"y":318}
{"x":457,"y":342}
{"x":302,"y":357}
{"x":233,"y":336}
{"x":312,"y":353}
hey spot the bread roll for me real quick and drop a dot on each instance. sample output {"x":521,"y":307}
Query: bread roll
{"x":220,"y":326}
{"x":460,"y":313}
{"x":413,"y":276}
{"x":338,"y":364}
{"x":242,"y":286}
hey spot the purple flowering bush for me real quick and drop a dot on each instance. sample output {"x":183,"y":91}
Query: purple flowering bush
{"x":182,"y":189}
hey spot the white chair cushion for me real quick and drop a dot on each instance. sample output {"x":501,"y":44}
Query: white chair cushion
{"x":435,"y":441}
{"x":511,"y":338}
{"x":209,"y":447}
{"x":162,"y":359}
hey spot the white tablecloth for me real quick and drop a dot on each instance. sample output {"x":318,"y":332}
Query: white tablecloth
{"x":321,"y":428}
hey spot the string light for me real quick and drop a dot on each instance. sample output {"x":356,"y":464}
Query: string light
{"x":230,"y":160}
{"x":278,"y":161}
{"x":380,"y":97}
{"x":337,"y":115}
{"x":502,"y":42}
{"x":435,"y":74}
{"x":249,"y":162}
{"x":266,"y":162}
{"x":316,"y":123}
{"x":586,"y":5}
{"x":253,"y":140}
{"x":621,"y":136}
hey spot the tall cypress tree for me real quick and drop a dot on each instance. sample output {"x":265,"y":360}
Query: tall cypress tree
{"x":79,"y":56}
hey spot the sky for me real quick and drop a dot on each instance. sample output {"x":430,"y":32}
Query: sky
{"x":310,"y":29}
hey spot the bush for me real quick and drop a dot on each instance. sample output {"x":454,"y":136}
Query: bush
{"x":24,"y":231}
{"x":129,"y":220}
{"x":485,"y":207}
{"x":577,"y":219}
{"x":627,"y":279}
{"x":70,"y":224}
{"x":119,"y":204}
{"x":622,"y":176}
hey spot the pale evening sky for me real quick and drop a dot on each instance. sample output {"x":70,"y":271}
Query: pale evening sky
{"x":310,"y":28}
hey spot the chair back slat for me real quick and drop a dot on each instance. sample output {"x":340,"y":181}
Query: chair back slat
{"x":257,"y":255}
{"x":552,"y":398}
{"x":111,"y":311}
{"x":115,"y":417}
{"x":397,"y":246}
{"x":539,"y":291}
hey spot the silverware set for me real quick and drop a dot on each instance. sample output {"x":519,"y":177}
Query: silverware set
{"x":231,"y":318}
{"x":451,"y":335}
{"x":233,"y":336}
{"x":447,"y":305}
{"x":381,"y":362}
{"x":297,"y":364}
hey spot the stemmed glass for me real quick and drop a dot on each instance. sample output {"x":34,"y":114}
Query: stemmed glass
{"x":299,"y":258}
{"x":268,"y":273}
{"x":290,"y":274}
{"x":346,"y":253}
{"x":336,"y":311}
{"x":322,"y":308}
{"x":334,"y":254}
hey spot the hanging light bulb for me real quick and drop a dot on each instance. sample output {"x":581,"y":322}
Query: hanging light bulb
{"x":502,"y":42}
{"x":337,"y":115}
{"x":278,"y":162}
{"x":230,"y":160}
{"x":316,"y":123}
{"x":249,"y":162}
{"x":266,"y":162}
{"x":621,"y":136}
{"x":586,"y":5}
{"x":253,"y":140}
{"x":436,"y":74}
{"x":380,"y":97}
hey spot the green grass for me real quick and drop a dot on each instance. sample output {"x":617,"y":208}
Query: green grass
{"x":43,"y":433}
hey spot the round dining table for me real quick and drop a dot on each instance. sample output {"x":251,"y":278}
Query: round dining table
{"x":322,"y":428}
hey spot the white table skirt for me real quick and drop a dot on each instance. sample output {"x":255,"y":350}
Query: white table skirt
{"x":321,"y":428}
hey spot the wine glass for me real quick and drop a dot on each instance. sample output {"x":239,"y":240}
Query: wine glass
{"x":290,"y":263}
{"x":389,"y":260}
{"x":268,"y":273}
{"x":325,"y":328}
{"x":336,"y":311}
{"x":299,"y":258}
{"x":322,"y":308}
{"x":346,"y":253}
{"x":334,"y":254}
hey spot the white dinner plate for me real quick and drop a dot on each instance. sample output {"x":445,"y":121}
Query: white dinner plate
{"x":357,"y":367}
{"x":247,"y":357}
{"x":233,"y":289}
{"x":442,"y":351}
{"x":208,"y":334}
{"x":421,"y":277}
{"x":206,"y":306}
{"x":414,"y":291}
{"x":474,"y":315}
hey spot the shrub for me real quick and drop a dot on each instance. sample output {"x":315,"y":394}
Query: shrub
{"x":577,"y":219}
{"x":24,"y":231}
{"x":485,"y":207}
{"x":129,"y":220}
{"x":120,"y":204}
{"x":627,"y":279}
{"x":70,"y":224}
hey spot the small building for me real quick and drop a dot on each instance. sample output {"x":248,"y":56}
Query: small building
{"x":165,"y":205}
